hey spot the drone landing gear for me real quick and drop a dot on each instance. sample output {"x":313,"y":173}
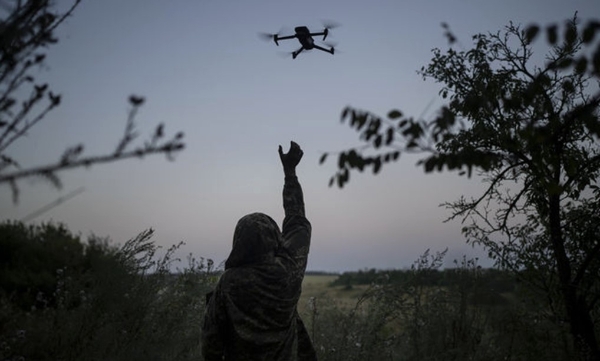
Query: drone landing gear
{"x":330,"y":51}
{"x":295,"y":53}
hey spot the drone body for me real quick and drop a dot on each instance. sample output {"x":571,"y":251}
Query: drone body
{"x":305,"y":37}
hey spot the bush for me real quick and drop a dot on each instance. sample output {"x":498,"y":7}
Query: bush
{"x":462,"y":318}
{"x":117,"y":303}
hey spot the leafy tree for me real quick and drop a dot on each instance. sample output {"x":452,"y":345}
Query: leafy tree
{"x":531,"y":132}
{"x":26,"y":31}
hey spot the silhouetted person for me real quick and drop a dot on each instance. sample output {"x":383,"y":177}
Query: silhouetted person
{"x":252,"y":314}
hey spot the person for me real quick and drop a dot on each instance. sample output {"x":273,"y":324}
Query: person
{"x":252,"y":312}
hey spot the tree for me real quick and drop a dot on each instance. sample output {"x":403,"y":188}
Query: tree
{"x":531,"y":132}
{"x":26,"y":31}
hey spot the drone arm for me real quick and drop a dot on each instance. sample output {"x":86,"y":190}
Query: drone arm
{"x":324,"y":33}
{"x":330,"y":51}
{"x":286,"y":37}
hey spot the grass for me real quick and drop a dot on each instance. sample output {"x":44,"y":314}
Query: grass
{"x":318,"y":286}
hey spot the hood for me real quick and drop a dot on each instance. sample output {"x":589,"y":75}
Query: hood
{"x":255,"y":240}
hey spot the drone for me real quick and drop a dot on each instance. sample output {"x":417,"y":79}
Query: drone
{"x":305,"y":37}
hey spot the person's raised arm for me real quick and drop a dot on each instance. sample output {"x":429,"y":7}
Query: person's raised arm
{"x":296,"y":229}
{"x":293,"y":199}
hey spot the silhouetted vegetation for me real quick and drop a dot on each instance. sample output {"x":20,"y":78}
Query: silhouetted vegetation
{"x":71,"y":299}
{"x":26,"y":31}
{"x":419,"y":316}
{"x":65,"y":299}
{"x":531,"y":132}
{"x":492,"y":279}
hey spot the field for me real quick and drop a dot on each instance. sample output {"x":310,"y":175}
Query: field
{"x":318,"y":286}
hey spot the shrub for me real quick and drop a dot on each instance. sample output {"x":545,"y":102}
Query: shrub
{"x":120,"y":303}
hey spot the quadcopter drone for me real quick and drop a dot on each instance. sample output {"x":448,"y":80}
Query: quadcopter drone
{"x":305,"y":37}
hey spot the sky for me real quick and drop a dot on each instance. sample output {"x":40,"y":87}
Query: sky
{"x":203,"y":70}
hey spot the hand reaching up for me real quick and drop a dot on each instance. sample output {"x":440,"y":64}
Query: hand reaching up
{"x":290,"y":159}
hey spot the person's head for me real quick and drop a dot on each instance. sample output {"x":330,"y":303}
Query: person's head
{"x":255,"y":240}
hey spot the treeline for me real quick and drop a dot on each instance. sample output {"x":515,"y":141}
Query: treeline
{"x":494,"y":279}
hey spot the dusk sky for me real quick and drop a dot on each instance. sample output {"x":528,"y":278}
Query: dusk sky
{"x":204,"y":71}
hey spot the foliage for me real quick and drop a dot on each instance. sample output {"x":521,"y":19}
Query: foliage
{"x":30,"y":256}
{"x":123,"y":302}
{"x":408,"y":319}
{"x":499,"y":105}
{"x":532,"y":133}
{"x":26,"y":31}
{"x":495,"y":279}
{"x":106,"y":302}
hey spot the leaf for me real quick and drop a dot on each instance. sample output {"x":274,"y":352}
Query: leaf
{"x":389,"y":136}
{"x":568,"y":87}
{"x":377,"y":141}
{"x":552,"y":34}
{"x":394,"y":114}
{"x":322,"y":159}
{"x":581,"y":65}
{"x":342,"y":160}
{"x":590,"y":31}
{"x":531,"y":32}
{"x":429,"y":164}
{"x":597,"y":60}
{"x":571,"y":34}
{"x":340,"y":181}
{"x":376,"y":165}
{"x":345,"y":113}
{"x":136,"y":100}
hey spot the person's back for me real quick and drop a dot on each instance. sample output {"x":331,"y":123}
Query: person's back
{"x":251,"y":314}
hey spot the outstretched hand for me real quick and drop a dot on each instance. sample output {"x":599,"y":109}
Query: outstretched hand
{"x":291,"y":159}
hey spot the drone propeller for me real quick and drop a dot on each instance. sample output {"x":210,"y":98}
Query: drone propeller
{"x":329,"y":24}
{"x":269,"y":37}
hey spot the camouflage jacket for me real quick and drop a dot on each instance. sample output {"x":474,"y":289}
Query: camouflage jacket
{"x":251,"y":314}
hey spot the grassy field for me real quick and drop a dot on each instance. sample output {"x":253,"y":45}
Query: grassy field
{"x":318,"y":286}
